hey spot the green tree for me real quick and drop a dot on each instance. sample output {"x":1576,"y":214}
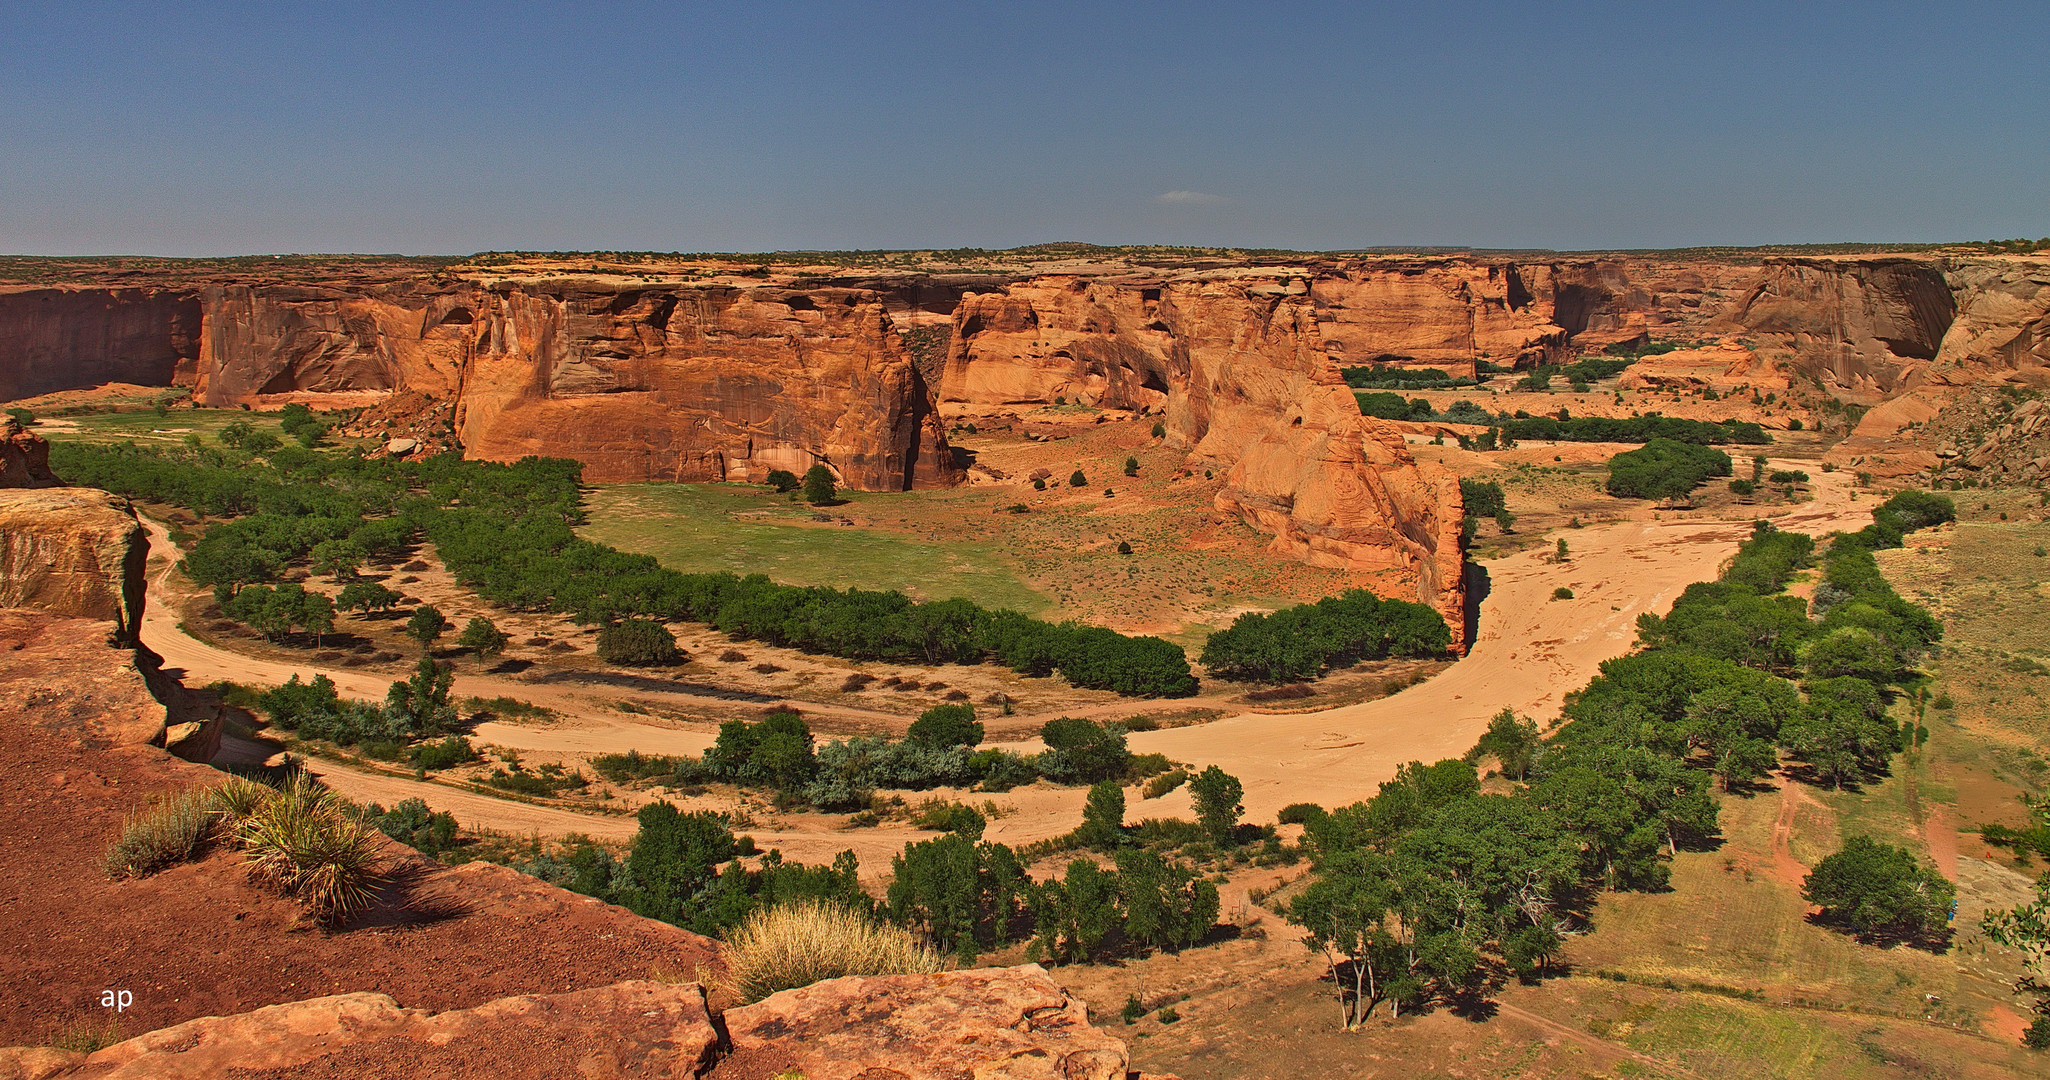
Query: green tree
{"x":1078,"y":479}
{"x":483,"y":637}
{"x":783,"y":480}
{"x":1079,"y":749}
{"x":1103,"y":816}
{"x":946,"y":725}
{"x":638,"y":643}
{"x":1167,"y":905}
{"x":366,"y":596}
{"x":1217,"y":803}
{"x":818,"y":486}
{"x":2026,"y":929}
{"x":426,"y":625}
{"x":422,"y":703}
{"x":1131,"y":466}
{"x":1075,"y":913}
{"x":1879,"y":889}
{"x":674,"y":861}
{"x":1345,"y":913}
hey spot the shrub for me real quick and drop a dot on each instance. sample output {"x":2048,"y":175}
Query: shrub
{"x":1165,"y":782}
{"x":1742,"y":487}
{"x":783,"y":480}
{"x":1159,"y":430}
{"x":798,"y":944}
{"x":446,"y":754}
{"x":638,"y":643}
{"x":1562,"y":593}
{"x":300,"y":841}
{"x":413,"y":824}
{"x":1038,"y":484}
{"x":1300,"y":642}
{"x":1082,"y":750}
{"x":946,"y":725}
{"x":233,"y":801}
{"x":1664,"y":469}
{"x":1078,"y":479}
{"x":634,"y":765}
{"x":1299,"y":813}
{"x":162,"y":835}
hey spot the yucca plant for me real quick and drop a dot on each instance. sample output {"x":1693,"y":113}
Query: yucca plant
{"x":800,"y":943}
{"x":300,"y":840}
{"x":164,"y":833}
{"x":235,"y":801}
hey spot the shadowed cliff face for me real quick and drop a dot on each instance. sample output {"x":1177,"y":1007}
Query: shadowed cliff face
{"x":70,"y":339}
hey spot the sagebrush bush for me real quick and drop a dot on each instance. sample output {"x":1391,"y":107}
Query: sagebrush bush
{"x":798,"y":944}
{"x":165,"y":833}
{"x":300,"y":840}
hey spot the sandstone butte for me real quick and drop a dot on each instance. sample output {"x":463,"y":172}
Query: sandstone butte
{"x":86,"y":710}
{"x":708,"y":370}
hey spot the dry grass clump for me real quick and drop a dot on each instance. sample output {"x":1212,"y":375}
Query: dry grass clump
{"x":165,"y":833}
{"x":299,"y":839}
{"x":800,"y":943}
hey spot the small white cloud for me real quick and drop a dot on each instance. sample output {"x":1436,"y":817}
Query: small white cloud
{"x":1189,"y":198}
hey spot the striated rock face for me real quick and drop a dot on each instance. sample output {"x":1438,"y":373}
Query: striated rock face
{"x":1237,"y":365}
{"x":682,"y":383}
{"x":1860,"y":325}
{"x":1015,"y":1023}
{"x":73,"y":551}
{"x":24,"y":458}
{"x":708,"y":383}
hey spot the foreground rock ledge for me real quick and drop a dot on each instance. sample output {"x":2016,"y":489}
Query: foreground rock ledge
{"x":1009,"y":1023}
{"x":991,"y":1022}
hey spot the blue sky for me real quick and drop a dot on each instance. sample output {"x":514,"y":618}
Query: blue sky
{"x":211,"y":128}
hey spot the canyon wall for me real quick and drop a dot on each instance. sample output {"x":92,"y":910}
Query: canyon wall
{"x":1235,"y":363}
{"x":723,"y":372}
{"x":70,"y":339}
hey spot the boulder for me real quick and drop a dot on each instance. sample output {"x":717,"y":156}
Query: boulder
{"x":73,"y":551}
{"x":24,"y":458}
{"x":1014,"y":1023}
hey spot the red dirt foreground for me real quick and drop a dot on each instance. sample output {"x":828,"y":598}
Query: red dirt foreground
{"x":467,"y":972}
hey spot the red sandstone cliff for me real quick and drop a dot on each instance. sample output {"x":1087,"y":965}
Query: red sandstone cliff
{"x":713,"y":371}
{"x":1237,"y":363}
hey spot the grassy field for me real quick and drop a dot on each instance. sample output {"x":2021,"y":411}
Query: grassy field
{"x":146,"y":427}
{"x":1052,"y":553}
{"x":701,"y":528}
